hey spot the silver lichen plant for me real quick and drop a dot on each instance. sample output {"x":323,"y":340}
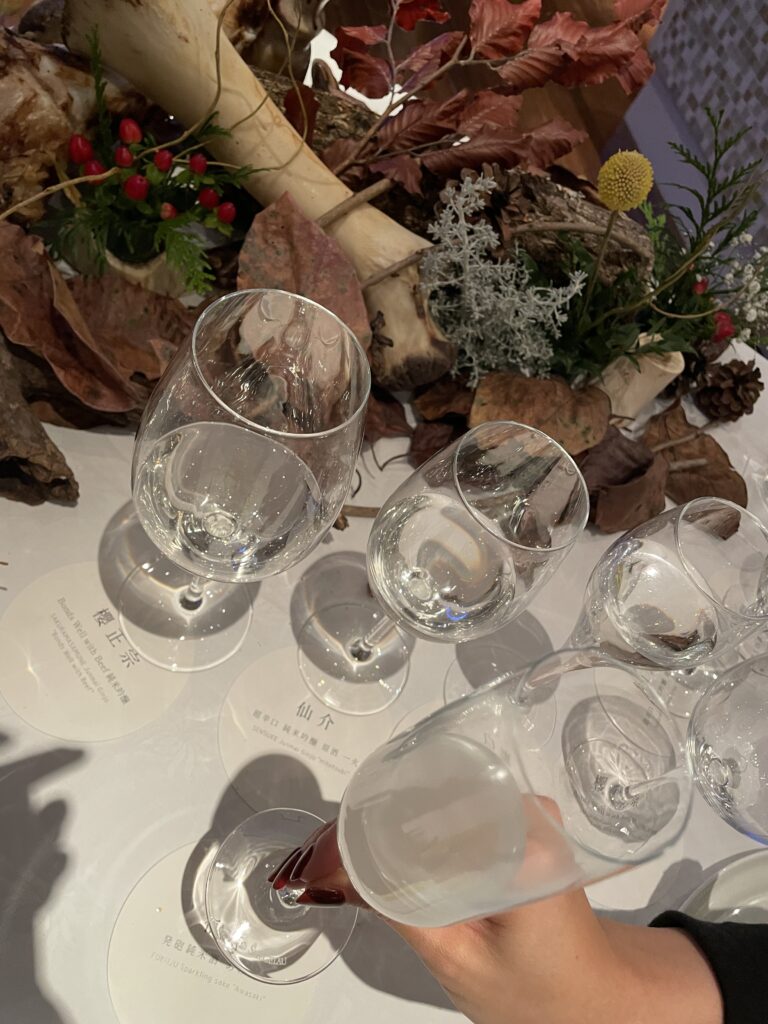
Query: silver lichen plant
{"x":497,"y":317}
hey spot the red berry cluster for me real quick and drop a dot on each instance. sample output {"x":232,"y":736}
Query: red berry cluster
{"x":136,"y":186}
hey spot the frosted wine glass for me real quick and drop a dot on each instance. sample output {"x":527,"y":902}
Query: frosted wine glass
{"x":243,"y":459}
{"x":516,"y":792}
{"x":455,"y":553}
{"x":678,"y":593}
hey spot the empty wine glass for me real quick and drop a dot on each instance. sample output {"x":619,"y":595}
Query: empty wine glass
{"x":243,"y":459}
{"x":728,"y":747}
{"x":514,"y":793}
{"x":455,"y":553}
{"x":679,"y":592}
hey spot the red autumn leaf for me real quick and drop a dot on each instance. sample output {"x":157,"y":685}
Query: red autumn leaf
{"x":339,"y":151}
{"x":560,"y":29}
{"x":403,"y":169}
{"x":428,"y":439}
{"x":636,"y":72}
{"x":499,"y":28}
{"x":410,"y":12}
{"x":359,"y":69}
{"x":639,"y":12}
{"x":490,"y":109}
{"x":421,"y":121}
{"x":531,"y":68}
{"x":592,"y":54}
{"x":284,"y":249}
{"x":358,"y":37}
{"x":538,"y":148}
{"x":426,"y":59}
{"x":301,"y":106}
{"x":385,"y":417}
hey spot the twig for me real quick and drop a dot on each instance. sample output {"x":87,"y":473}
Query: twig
{"x":576,"y":226}
{"x":682,"y":440}
{"x":394,"y":268}
{"x":60,"y":186}
{"x":683,"y":316}
{"x":675,"y":467}
{"x":365,"y":195}
{"x":360,"y":511}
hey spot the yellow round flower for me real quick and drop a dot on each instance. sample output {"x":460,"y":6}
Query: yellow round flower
{"x":625,"y":180}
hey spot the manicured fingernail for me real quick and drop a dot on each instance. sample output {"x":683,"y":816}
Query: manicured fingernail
{"x":322,"y":897}
{"x":324,"y":859}
{"x":284,"y":871}
{"x":281,"y":865}
{"x":301,"y":863}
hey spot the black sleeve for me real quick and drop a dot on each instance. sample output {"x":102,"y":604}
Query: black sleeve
{"x":738,"y":955}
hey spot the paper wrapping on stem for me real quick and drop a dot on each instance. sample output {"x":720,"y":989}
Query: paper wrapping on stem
{"x":631,"y":387}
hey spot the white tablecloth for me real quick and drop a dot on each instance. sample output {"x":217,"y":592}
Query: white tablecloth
{"x":127,"y":803}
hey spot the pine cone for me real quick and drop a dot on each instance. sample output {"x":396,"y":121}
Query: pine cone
{"x":729,"y":390}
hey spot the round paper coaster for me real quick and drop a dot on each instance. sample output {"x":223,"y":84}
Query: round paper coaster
{"x":67,"y":668}
{"x":282,"y":748}
{"x":163,"y":967}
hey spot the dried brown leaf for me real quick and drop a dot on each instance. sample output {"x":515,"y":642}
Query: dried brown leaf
{"x":625,"y":481}
{"x":301,"y":107}
{"x":428,"y":439}
{"x":38,"y":312}
{"x":537,"y":148}
{"x":385,"y":417}
{"x":421,"y":121}
{"x":403,"y":169}
{"x":139,"y":329}
{"x":577,"y":419}
{"x":490,"y":109}
{"x":426,"y":59}
{"x":448,"y":396}
{"x":532,"y":67}
{"x":499,"y":28}
{"x":717,"y":477}
{"x":284,"y":249}
{"x":359,"y":69}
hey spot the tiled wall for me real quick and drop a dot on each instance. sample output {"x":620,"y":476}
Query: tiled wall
{"x":715,"y":53}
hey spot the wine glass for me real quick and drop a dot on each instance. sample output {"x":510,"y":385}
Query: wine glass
{"x":243,"y":459}
{"x":728,"y":747}
{"x":455,"y":553}
{"x":509,"y":795}
{"x":679,"y":592}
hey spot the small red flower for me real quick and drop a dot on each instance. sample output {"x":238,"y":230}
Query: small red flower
{"x":724,"y":326}
{"x":163,"y":159}
{"x":226,"y":212}
{"x":208,"y":198}
{"x":129,"y":130}
{"x":168,"y":211}
{"x":94,"y":167}
{"x":409,"y":12}
{"x":80,"y":149}
{"x":136,"y":187}
{"x":123,"y":156}
{"x":198,"y":163}
{"x":701,"y":286}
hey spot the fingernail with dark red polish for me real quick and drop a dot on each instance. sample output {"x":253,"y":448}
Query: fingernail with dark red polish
{"x":283,"y":873}
{"x":322,"y":897}
{"x":301,"y":863}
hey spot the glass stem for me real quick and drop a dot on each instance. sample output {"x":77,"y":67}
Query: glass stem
{"x":621,"y":796}
{"x":362,"y":648}
{"x":193,"y":596}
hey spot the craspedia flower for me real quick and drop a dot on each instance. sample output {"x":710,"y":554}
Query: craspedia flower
{"x":625,"y":180}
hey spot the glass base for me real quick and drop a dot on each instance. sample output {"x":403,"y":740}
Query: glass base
{"x":156,"y":622}
{"x":340,"y":681}
{"x":255,"y":931}
{"x":682,"y":689}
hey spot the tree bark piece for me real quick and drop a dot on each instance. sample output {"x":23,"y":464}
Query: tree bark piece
{"x":141,"y":41}
{"x":32,"y":469}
